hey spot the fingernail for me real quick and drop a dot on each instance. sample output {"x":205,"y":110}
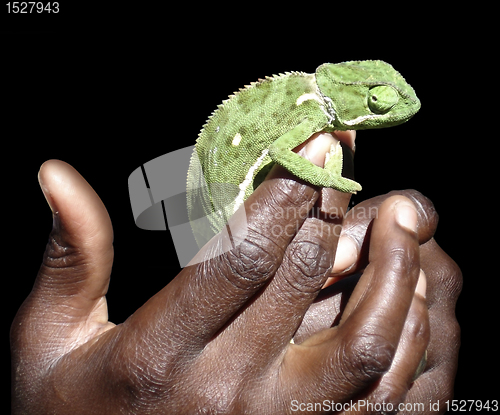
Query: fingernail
{"x":421,"y":284}
{"x":346,"y":137}
{"x":317,"y":147}
{"x":346,"y":255}
{"x":406,"y":215}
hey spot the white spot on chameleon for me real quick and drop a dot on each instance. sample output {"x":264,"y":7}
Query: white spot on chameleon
{"x":248,"y":180}
{"x":306,"y":97}
{"x":326,"y":103}
{"x":236,"y":139}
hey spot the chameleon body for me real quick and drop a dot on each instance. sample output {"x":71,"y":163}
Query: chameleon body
{"x":262,"y":123}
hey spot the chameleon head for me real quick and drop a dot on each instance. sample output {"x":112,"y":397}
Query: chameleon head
{"x":366,"y":94}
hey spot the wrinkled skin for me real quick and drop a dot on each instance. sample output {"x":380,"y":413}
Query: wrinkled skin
{"x":217,"y":338}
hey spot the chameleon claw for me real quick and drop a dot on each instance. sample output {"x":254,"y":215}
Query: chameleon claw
{"x":333,"y":159}
{"x":333,"y":167}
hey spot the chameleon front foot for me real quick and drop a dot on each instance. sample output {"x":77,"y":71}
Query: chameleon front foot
{"x":329,"y":176}
{"x":333,"y":169}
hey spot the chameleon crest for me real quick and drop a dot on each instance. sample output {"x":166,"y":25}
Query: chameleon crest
{"x":262,"y":123}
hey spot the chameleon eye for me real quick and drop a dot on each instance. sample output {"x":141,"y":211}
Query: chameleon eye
{"x":382,"y":98}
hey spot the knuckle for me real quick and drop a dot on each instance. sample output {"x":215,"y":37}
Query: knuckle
{"x":451,"y":276}
{"x":443,"y":272}
{"x":292,"y":193}
{"x":250,"y":261}
{"x":57,"y":253}
{"x":136,"y":378}
{"x":60,"y":257}
{"x":256,"y":258}
{"x":369,"y":356}
{"x":447,"y":281}
{"x":417,"y":328}
{"x":307,"y":261}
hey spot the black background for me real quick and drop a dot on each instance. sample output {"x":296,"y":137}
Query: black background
{"x":108,"y":90}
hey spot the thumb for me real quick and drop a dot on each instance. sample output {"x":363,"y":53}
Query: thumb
{"x":67,"y":306}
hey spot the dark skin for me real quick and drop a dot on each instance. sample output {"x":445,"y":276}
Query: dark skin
{"x":217,"y":338}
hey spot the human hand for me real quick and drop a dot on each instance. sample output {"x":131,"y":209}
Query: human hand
{"x":218,"y":337}
{"x":444,"y":282}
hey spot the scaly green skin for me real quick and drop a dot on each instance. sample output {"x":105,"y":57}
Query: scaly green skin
{"x":261,"y":124}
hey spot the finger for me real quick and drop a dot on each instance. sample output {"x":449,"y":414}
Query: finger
{"x":205,"y":296}
{"x":361,"y":349}
{"x":277,"y":312}
{"x":347,"y":137}
{"x":68,"y":294}
{"x":297,"y":290}
{"x":444,"y":284}
{"x":395,"y":384}
{"x":351,"y":250}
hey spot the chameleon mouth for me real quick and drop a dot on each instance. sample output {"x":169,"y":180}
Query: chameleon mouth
{"x":361,"y":119}
{"x":394,"y":117}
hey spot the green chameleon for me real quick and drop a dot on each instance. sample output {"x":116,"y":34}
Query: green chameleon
{"x":262,"y":123}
